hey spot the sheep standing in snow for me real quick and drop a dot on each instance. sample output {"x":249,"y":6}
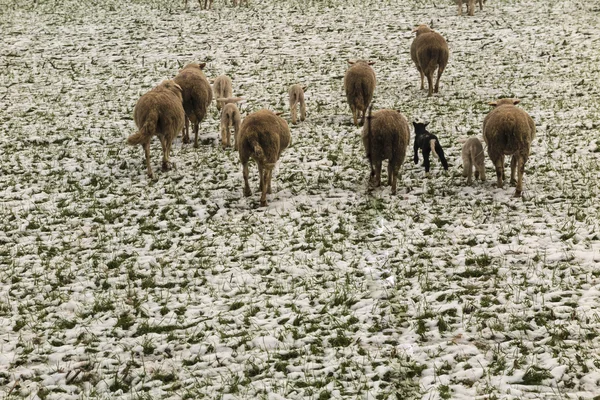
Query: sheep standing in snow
{"x":263,"y":137}
{"x":158,"y":112}
{"x":473,"y":156}
{"x":359,"y":84}
{"x":508,"y":130}
{"x":429,"y":51}
{"x":428,"y":143}
{"x":230,"y":117}
{"x":470,"y":6}
{"x":207,"y":4}
{"x":385,"y":137}
{"x":197,"y":96}
{"x":222,"y":89}
{"x":296,"y":96}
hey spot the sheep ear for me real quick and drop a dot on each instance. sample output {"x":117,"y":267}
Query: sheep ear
{"x":278,"y":113}
{"x":178,"y":87}
{"x":371,"y":62}
{"x":350,"y":62}
{"x":493,"y":103}
{"x":425,"y":124}
{"x":516,"y":101}
{"x":415,"y":124}
{"x":202,"y":65}
{"x":304,"y":88}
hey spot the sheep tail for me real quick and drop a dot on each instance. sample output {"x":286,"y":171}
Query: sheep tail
{"x":145,"y":133}
{"x":432,"y":145}
{"x":370,"y":136}
{"x":258,"y":152}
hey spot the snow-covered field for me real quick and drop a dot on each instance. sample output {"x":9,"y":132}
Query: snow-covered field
{"x":117,"y":287}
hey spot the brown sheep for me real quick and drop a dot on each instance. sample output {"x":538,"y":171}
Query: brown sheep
{"x":359,"y":84}
{"x":158,"y":112}
{"x":386,"y":137}
{"x":197,"y":96}
{"x":207,"y":4}
{"x":263,"y":137}
{"x":296,"y":96}
{"x":470,"y":6}
{"x":429,"y":51}
{"x":508,"y":130}
{"x":473,"y":156}
{"x":230,"y":117}
{"x":222,"y":89}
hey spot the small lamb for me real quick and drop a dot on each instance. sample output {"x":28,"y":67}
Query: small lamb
{"x":429,"y":51}
{"x":386,"y":136}
{"x":263,"y":137}
{"x":359,"y":84}
{"x":230,"y":117}
{"x":428,"y":143}
{"x":196,"y":97}
{"x":296,"y":95}
{"x":158,"y":112}
{"x":473,"y":156}
{"x":508,"y":130}
{"x":470,"y":6}
{"x":222,"y":89}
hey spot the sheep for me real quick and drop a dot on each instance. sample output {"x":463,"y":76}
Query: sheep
{"x":197,"y":96}
{"x":385,"y":137}
{"x":473,"y":156}
{"x":508,"y":130}
{"x":222,"y":89}
{"x":428,"y":143}
{"x":207,"y":4}
{"x":429,"y":51}
{"x":263,"y":137}
{"x":296,"y":95}
{"x":230,"y":117}
{"x":470,"y":6}
{"x":359,"y":84}
{"x":158,"y":112}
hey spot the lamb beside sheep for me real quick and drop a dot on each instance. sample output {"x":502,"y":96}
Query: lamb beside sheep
{"x":230,"y":117}
{"x":296,"y":96}
{"x":473,"y":156}
{"x":359,"y":84}
{"x":158,"y":112}
{"x":385,"y":137}
{"x":263,"y":137}
{"x":470,"y":6}
{"x":197,"y":96}
{"x":508,"y":130}
{"x":222,"y":89}
{"x":429,"y":51}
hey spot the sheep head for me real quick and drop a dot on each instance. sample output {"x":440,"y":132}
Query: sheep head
{"x":500,"y":102}
{"x":422,"y":29}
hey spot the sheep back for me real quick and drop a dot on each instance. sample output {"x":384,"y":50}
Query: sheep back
{"x":267,"y":130}
{"x":359,"y":84}
{"x":197,"y":93}
{"x":429,"y":50}
{"x":391,"y":135}
{"x":508,"y":129}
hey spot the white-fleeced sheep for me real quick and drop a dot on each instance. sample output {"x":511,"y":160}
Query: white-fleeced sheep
{"x":222,"y":88}
{"x":230,"y":118}
{"x":473,"y":157}
{"x":296,"y":96}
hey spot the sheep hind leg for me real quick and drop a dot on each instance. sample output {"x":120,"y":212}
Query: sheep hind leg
{"x":437,"y":82}
{"x":146,"y":147}
{"x":468,"y":170}
{"x":186,"y":131}
{"x":422,"y":78}
{"x":521,"y":165}
{"x":430,"y":83}
{"x":363,"y":115}
{"x":265,"y":177}
{"x":514,"y":159}
{"x":246,"y":173}
{"x":302,"y":110}
{"x":355,"y":116}
{"x":499,"y":165}
{"x":196,"y":127}
{"x":294,"y":112}
{"x":459,"y":7}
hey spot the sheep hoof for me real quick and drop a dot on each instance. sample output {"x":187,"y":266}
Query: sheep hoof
{"x":186,"y":140}
{"x":166,"y":166}
{"x":247,"y":192}
{"x":517,"y":193}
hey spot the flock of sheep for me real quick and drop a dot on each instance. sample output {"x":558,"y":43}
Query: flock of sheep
{"x":262,"y":136}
